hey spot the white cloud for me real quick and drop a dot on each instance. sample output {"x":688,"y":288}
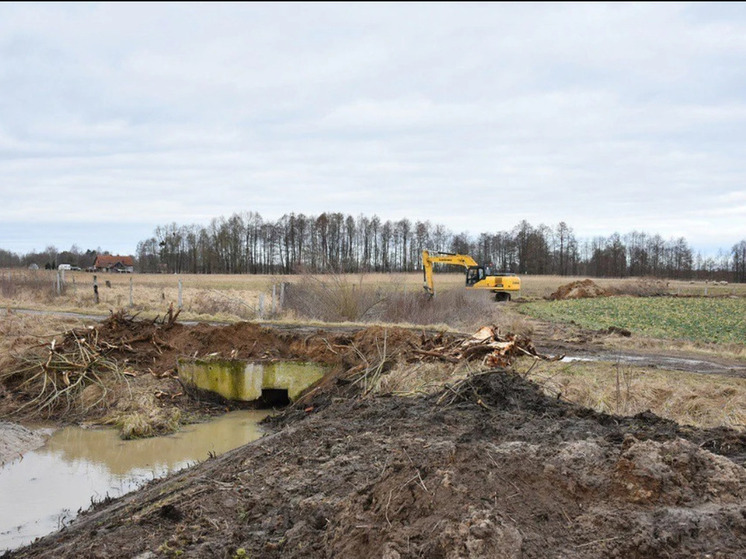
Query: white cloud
{"x":607,"y":116}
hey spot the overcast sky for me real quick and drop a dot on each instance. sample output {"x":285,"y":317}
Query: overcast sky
{"x":116,"y":118}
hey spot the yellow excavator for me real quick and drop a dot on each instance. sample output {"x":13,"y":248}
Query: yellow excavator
{"x":503,"y":285}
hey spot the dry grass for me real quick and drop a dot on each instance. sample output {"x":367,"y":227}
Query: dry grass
{"x":143,"y":416}
{"x":687,"y":398}
{"x":237,"y":297}
{"x":406,"y":379}
{"x":335,"y":299}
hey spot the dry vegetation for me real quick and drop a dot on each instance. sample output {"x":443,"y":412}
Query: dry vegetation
{"x":621,"y":389}
{"x":239,"y":297}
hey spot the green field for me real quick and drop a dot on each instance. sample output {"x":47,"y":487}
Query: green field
{"x":697,"y":318}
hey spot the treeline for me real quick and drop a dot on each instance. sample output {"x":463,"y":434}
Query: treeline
{"x":246,"y":243}
{"x":50,"y":258}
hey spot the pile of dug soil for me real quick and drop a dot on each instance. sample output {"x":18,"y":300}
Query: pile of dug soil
{"x":584,"y":289}
{"x":489,"y":467}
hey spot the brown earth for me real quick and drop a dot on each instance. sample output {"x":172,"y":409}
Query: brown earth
{"x":16,"y":439}
{"x":584,"y":289}
{"x":487,"y":467}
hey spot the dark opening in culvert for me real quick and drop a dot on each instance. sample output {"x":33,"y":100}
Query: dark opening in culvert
{"x":275,"y":397}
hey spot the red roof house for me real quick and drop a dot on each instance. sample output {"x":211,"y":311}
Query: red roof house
{"x":112,"y":263}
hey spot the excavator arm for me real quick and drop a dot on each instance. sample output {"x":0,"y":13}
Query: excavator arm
{"x":443,"y":258}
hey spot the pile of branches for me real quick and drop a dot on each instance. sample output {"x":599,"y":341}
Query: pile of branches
{"x":78,"y":374}
{"x":490,"y":347}
{"x":50,"y":379}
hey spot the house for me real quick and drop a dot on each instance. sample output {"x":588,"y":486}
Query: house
{"x":112,"y":263}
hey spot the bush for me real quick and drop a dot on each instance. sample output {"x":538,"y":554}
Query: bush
{"x":335,"y":299}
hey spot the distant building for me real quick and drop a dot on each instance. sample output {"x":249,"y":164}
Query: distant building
{"x":33,"y":267}
{"x":111,"y":263}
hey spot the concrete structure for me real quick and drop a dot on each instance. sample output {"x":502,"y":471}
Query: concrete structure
{"x":244,"y":380}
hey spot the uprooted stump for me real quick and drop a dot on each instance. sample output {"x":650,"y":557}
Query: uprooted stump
{"x":493,"y":349}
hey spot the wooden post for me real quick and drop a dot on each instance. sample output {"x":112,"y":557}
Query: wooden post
{"x":261,"y":305}
{"x":95,"y":290}
{"x":132,"y":304}
{"x":180,"y":293}
{"x":59,"y":283}
{"x":705,"y":291}
{"x":282,"y":295}
{"x":274,"y":298}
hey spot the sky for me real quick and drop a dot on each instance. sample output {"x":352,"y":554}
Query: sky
{"x":117,"y":118}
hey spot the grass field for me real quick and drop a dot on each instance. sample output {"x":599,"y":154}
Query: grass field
{"x":709,"y":319}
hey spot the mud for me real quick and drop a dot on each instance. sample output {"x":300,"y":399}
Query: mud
{"x":15,"y":440}
{"x":490,"y":467}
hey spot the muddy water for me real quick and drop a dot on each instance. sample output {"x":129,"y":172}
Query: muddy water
{"x":665,"y":362}
{"x":47,"y":487}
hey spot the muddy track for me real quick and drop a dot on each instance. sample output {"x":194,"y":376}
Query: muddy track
{"x":587,"y":345}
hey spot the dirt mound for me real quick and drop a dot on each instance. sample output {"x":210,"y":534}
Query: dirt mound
{"x":585,"y":289}
{"x":489,"y":467}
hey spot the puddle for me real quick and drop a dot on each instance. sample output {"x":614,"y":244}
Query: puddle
{"x":663,"y":362}
{"x":76,"y":467}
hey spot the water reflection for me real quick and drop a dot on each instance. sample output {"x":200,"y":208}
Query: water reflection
{"x":47,"y":487}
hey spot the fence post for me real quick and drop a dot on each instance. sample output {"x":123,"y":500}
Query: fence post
{"x":705,"y":291}
{"x":132,"y":304}
{"x":179,"y":292}
{"x":261,"y":305}
{"x":59,"y":283}
{"x":274,"y":298}
{"x":282,"y":295}
{"x":95,"y":289}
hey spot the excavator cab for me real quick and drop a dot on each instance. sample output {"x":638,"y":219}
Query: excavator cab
{"x":474,"y":274}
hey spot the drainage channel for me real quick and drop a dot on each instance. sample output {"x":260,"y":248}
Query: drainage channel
{"x":76,"y":467}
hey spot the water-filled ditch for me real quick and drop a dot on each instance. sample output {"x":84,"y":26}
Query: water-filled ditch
{"x":47,"y":487}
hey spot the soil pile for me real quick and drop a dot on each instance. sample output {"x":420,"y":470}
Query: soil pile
{"x":489,"y":467}
{"x":585,"y":289}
